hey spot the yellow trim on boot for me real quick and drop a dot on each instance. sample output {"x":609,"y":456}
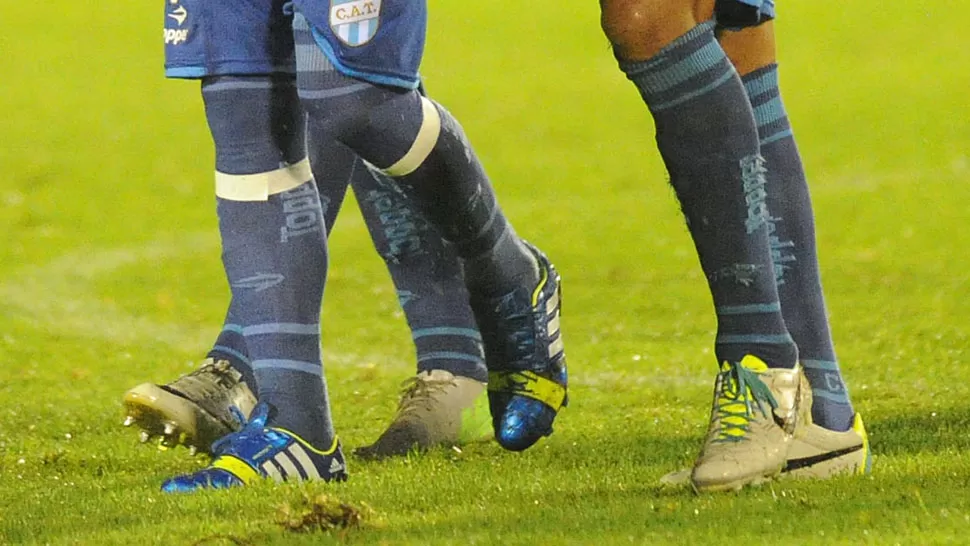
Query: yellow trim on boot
{"x":237,"y":467}
{"x":860,"y":428}
{"x":752,"y":363}
{"x":528,"y":384}
{"x":543,"y":278}
{"x":737,"y":411}
{"x":306,"y":444}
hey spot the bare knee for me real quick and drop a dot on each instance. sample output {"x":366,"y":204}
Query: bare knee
{"x":639,"y":29}
{"x":751,"y":48}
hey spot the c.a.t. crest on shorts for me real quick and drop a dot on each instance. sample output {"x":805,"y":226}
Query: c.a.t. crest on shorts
{"x":378,"y":41}
{"x":355,"y":22}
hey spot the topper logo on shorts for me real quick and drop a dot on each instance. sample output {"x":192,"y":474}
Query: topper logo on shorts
{"x":175,"y":36}
{"x":179,"y":14}
{"x":355,"y":22}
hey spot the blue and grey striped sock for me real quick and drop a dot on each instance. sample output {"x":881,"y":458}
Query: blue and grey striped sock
{"x":425,"y":270}
{"x":709,"y":143}
{"x":273,"y":244}
{"x":428,"y":277}
{"x":792,"y":239}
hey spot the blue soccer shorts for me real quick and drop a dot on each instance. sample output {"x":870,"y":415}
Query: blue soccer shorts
{"x":378,"y":41}
{"x":227,"y":37}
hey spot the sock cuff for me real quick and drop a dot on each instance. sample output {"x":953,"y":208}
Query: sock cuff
{"x":243,"y":83}
{"x":690,"y":66}
{"x":761,"y":81}
{"x":764,"y":95}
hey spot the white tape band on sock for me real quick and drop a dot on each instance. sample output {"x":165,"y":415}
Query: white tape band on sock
{"x":259,"y":186}
{"x":423,"y":143}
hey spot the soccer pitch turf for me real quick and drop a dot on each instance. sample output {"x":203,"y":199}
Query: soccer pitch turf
{"x":109,"y":276}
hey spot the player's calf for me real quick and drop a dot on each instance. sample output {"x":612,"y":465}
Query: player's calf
{"x":422,"y":147}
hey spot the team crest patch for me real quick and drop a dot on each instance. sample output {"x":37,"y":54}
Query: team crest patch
{"x":355,"y":22}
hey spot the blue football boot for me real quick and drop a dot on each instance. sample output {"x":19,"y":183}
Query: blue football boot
{"x":257,"y":452}
{"x":525,"y":358}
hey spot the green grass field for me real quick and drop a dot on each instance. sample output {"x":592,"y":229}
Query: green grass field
{"x":109,"y":276}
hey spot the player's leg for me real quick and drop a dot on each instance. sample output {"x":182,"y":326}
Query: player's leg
{"x":513,"y":287}
{"x":707,"y":137}
{"x":274,"y":252}
{"x":831,"y":437}
{"x":178,"y":410}
{"x":194,"y":409}
{"x":273,"y":239}
{"x":445,"y":403}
